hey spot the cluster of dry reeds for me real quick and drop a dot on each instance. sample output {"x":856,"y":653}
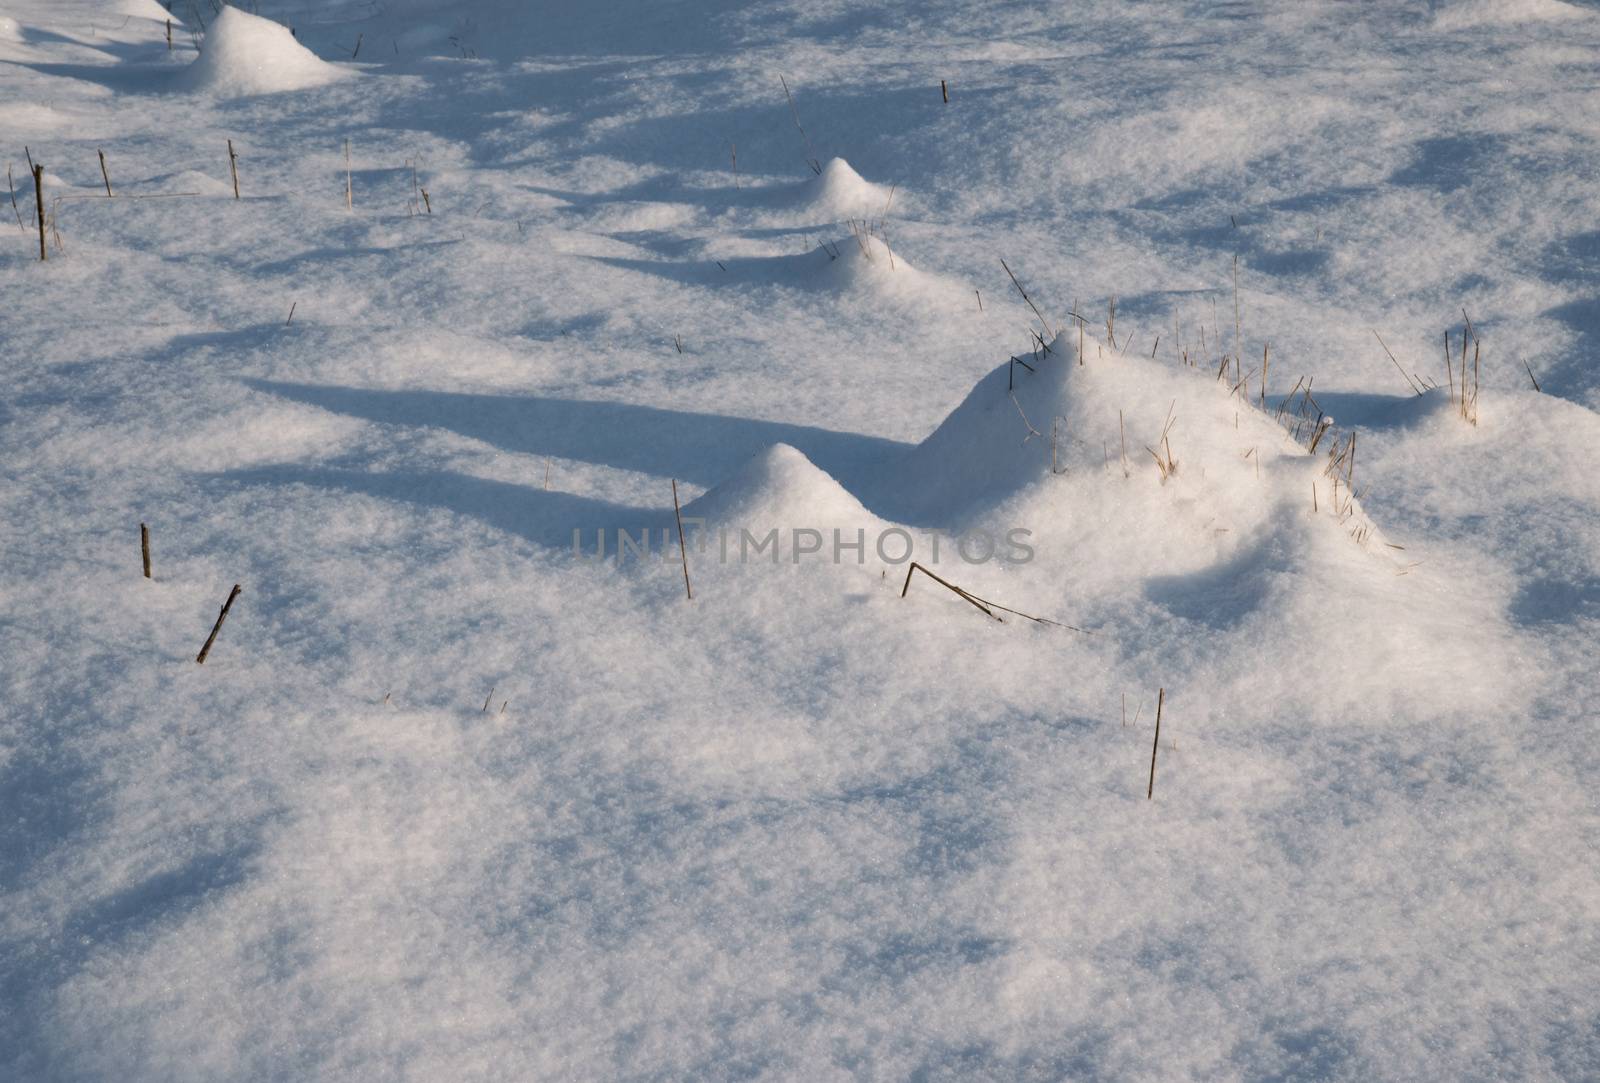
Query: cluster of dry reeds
{"x":1466,"y":401}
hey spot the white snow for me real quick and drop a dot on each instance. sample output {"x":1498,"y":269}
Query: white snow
{"x":244,"y":54}
{"x":449,"y":800}
{"x":1466,"y":14}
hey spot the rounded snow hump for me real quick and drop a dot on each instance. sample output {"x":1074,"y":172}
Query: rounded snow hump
{"x":244,"y":54}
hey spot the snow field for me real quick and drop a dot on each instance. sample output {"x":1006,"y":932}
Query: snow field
{"x":801,"y":827}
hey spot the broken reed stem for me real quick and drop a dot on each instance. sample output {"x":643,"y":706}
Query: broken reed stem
{"x":169,"y":35}
{"x":968,"y":598}
{"x":349,"y":190}
{"x":978,"y":292}
{"x":1122,"y":437}
{"x":38,"y":198}
{"x":105,"y":173}
{"x":1161,"y":699}
{"x":982,"y":603}
{"x":944,"y":92}
{"x":1533,"y":379}
{"x":428,"y":203}
{"x":290,"y":320}
{"x":683,"y":550}
{"x":233,"y":167}
{"x":144,"y":548}
{"x":733,"y":152}
{"x":488,"y":699}
{"x":217,"y":627}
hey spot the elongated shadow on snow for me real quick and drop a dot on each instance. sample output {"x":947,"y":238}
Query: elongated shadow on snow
{"x":30,"y":973}
{"x":544,"y":518}
{"x":808,"y":270}
{"x":1359,"y":409}
{"x":694,"y":447}
{"x":125,"y":78}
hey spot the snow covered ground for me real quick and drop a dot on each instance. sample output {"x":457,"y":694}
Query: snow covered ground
{"x":448,"y":802}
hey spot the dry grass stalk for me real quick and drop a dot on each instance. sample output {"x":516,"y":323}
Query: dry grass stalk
{"x":1122,"y":440}
{"x":38,"y":196}
{"x":1042,"y":321}
{"x":1238,"y":335}
{"x":105,"y":174}
{"x":1032,"y":432}
{"x":811,"y":160}
{"x":683,"y":551}
{"x":16,"y":210}
{"x":1411,"y":383}
{"x":984,"y":604}
{"x":1161,"y":700}
{"x":217,"y":627}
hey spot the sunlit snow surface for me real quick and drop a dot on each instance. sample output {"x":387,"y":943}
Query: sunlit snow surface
{"x":446,"y":802}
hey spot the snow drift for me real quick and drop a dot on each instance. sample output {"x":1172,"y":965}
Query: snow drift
{"x":245,"y":54}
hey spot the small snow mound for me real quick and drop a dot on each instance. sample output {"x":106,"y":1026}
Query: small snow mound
{"x":841,"y":191}
{"x":781,"y":488}
{"x":865,"y":258}
{"x":9,"y":30}
{"x":246,"y":54}
{"x":144,"y":9}
{"x":1473,"y":13}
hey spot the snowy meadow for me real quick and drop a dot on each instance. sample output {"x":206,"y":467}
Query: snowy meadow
{"x":1228,"y":371}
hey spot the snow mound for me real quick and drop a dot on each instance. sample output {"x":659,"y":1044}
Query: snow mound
{"x":779,"y":488}
{"x":841,"y":191}
{"x":1474,"y":13}
{"x":1043,"y":423}
{"x":246,"y":54}
{"x":869,"y":262}
{"x":837,"y":192}
{"x":145,"y":9}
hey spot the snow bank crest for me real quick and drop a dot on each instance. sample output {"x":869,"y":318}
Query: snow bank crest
{"x":246,"y":54}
